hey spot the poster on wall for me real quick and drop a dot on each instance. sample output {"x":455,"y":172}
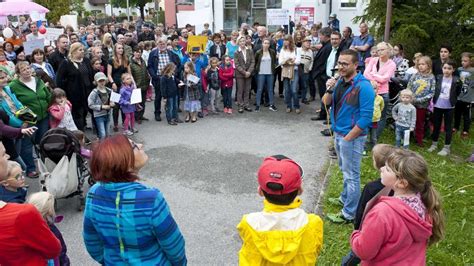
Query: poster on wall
{"x":278,"y":17}
{"x":305,"y":16}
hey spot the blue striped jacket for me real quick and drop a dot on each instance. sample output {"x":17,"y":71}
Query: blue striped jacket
{"x":131,"y":224}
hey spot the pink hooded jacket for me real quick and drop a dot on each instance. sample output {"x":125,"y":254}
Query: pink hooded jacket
{"x":392,"y":234}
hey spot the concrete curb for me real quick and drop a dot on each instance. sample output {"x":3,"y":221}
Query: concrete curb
{"x":327,"y":172}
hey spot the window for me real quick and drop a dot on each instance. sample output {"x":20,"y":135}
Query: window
{"x":184,"y":2}
{"x":237,"y":12}
{"x":258,"y":4}
{"x":230,"y":4}
{"x":348,"y":3}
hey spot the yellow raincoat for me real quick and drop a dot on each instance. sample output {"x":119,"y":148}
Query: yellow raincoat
{"x":280,"y":235}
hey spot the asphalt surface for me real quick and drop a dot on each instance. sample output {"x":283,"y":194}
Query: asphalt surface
{"x":207,"y":173}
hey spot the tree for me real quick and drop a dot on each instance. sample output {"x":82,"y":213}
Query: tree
{"x":78,"y":7}
{"x":133,"y":3}
{"x":423,"y":25}
{"x":57,"y":8}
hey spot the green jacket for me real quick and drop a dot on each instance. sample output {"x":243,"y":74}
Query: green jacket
{"x":37,"y":101}
{"x":140,"y":74}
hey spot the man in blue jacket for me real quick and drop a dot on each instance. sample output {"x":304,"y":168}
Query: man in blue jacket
{"x":352,"y":105}
{"x":157,"y":61}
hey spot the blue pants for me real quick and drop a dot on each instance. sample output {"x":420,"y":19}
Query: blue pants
{"x":172,"y":108}
{"x":349,"y":159}
{"x":400,"y":135}
{"x":265,"y":80}
{"x":27,"y":144}
{"x":304,"y":84}
{"x":102,"y":123}
{"x":291,"y":92}
{"x":227,"y":95}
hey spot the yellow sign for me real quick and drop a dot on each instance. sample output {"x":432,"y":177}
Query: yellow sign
{"x":197,"y":44}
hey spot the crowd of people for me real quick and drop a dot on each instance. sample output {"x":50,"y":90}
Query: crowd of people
{"x":93,"y":72}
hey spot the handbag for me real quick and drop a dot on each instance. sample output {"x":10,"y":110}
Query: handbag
{"x":288,"y":72}
{"x":26,"y":115}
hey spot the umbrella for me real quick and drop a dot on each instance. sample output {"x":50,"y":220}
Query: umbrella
{"x":20,"y":7}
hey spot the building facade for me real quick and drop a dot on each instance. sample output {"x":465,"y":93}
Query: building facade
{"x":230,"y":14}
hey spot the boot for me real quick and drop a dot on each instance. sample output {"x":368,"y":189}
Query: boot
{"x":193,"y":117}
{"x":433,"y":147}
{"x":445,"y":151}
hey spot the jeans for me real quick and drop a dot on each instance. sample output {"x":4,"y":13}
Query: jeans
{"x":27,"y":144}
{"x":213,"y":101}
{"x":102,"y":123}
{"x":265,"y":80}
{"x":438,"y":116}
{"x":172,"y":108}
{"x":350,"y":259}
{"x":372,"y":141}
{"x":291,"y":92}
{"x":400,"y":135}
{"x":304,"y":85}
{"x":349,"y":155}
{"x":156,"y":85}
{"x":227,"y":95}
{"x":383,"y":118}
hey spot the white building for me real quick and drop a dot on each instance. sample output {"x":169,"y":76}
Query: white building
{"x":229,"y":14}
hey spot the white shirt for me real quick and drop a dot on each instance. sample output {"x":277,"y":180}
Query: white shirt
{"x":31,"y":84}
{"x":244,"y":53}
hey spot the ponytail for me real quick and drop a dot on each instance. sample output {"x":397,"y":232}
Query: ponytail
{"x":432,"y":201}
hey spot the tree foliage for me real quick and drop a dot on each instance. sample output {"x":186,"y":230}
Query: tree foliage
{"x":57,"y":8}
{"x":423,"y":25}
{"x":78,"y":7}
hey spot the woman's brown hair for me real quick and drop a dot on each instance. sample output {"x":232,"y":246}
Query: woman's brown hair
{"x":124,"y":58}
{"x":291,"y":45}
{"x":169,"y":69}
{"x":35,"y":52}
{"x":113,"y":160}
{"x":410,"y":166}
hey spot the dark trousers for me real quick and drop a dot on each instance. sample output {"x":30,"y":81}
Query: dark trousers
{"x":420,"y":125}
{"x":321,"y":81}
{"x":156,"y":84}
{"x":227,"y":96}
{"x":278,"y":78}
{"x":312,"y":86}
{"x":115,"y":114}
{"x":139,"y":114}
{"x":462,"y":110}
{"x":438,"y":116}
{"x":79,"y":113}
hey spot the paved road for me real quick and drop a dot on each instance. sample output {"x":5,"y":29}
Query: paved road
{"x":207,"y":173}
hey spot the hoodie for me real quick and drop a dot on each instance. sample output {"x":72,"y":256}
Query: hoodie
{"x":280,"y":235}
{"x":392,"y":234}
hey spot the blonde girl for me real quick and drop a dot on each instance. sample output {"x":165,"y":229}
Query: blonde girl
{"x":192,"y":93}
{"x":422,"y":84}
{"x":398,"y":229}
{"x":44,"y":202}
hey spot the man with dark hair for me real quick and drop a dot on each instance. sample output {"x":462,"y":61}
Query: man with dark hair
{"x":73,"y":38}
{"x":34,"y":35}
{"x":146,"y":34}
{"x":217,"y":49}
{"x":60,"y":54}
{"x":444,"y":55}
{"x":362,"y":45}
{"x":318,"y":72}
{"x":157,"y":61}
{"x":346,"y":38}
{"x":352,"y":105}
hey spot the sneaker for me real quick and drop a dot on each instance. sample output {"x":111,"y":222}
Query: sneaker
{"x":257,"y":109}
{"x":128,"y":133}
{"x":432,"y":148}
{"x":464,"y":135}
{"x":326,"y":132}
{"x":332,"y":154}
{"x":336,"y":201}
{"x":339,"y":218}
{"x":32,"y":175}
{"x":298,"y":111}
{"x":364,"y":153}
{"x":247,"y":109}
{"x":172,"y":123}
{"x":134,"y":130}
{"x":229,"y":111}
{"x":273,"y":108}
{"x":225,"y":110}
{"x":200,"y":115}
{"x":445,"y":151}
{"x":288,"y":110}
{"x":179,"y":121}
{"x":241,"y":110}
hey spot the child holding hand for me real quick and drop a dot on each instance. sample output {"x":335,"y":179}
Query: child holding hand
{"x":128,"y":109}
{"x":60,"y":111}
{"x":404,"y":114}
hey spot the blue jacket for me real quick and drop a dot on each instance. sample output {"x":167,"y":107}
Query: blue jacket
{"x":14,"y":121}
{"x":153,"y":61}
{"x":201,"y":63}
{"x":49,"y":68}
{"x":356,"y":107}
{"x":131,"y":224}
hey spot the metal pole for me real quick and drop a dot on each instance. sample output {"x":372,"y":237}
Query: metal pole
{"x":128,"y":10}
{"x":388,"y":20}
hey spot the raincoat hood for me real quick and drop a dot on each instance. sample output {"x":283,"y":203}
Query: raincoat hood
{"x":280,"y":235}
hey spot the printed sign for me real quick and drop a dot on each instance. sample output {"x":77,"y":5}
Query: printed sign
{"x":30,"y":46}
{"x":278,"y":17}
{"x":136,"y":96}
{"x":52,"y":34}
{"x":304,"y":15}
{"x":197,"y":44}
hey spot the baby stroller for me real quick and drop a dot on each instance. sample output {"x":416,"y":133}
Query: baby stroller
{"x":62,"y":168}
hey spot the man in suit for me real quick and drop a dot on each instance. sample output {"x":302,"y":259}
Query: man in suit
{"x":318,"y":72}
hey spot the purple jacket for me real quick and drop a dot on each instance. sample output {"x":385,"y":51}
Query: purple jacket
{"x":8,"y":131}
{"x":125,"y":95}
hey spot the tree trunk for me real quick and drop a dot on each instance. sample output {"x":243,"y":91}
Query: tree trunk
{"x":142,"y":12}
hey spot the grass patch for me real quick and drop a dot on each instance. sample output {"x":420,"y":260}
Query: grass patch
{"x":453,"y":177}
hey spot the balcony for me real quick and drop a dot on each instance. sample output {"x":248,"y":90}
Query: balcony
{"x":98,"y":2}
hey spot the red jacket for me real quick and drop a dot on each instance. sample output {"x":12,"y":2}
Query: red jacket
{"x":57,"y":114}
{"x":226,"y":76}
{"x":392,"y":234}
{"x":25,"y":238}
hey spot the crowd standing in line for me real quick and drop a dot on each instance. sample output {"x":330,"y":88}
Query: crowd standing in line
{"x":75,"y":78}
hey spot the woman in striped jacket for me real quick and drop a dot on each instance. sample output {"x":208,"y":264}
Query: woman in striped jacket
{"x":126,"y":222}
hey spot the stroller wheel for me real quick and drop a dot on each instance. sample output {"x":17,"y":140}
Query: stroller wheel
{"x":80,"y":203}
{"x":90,"y":181}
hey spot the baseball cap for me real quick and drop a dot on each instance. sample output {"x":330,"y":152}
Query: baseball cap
{"x":99,"y":76}
{"x":279,"y":169}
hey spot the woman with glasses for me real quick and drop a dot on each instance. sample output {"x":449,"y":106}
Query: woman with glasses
{"x":380,"y":69}
{"x":148,"y":233}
